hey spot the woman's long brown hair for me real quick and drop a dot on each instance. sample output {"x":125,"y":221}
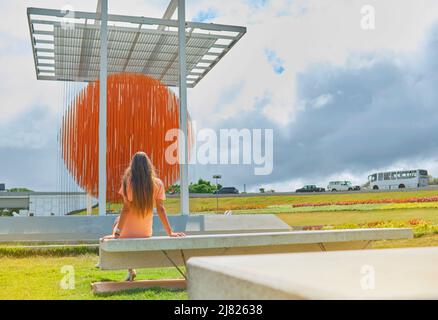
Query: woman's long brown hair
{"x":140,"y":174}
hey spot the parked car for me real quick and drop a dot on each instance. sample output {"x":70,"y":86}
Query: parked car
{"x":356,"y":188}
{"x":310,"y":188}
{"x":340,"y":186}
{"x":227,"y":190}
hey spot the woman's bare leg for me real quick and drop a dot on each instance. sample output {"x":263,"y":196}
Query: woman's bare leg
{"x":131,"y":275}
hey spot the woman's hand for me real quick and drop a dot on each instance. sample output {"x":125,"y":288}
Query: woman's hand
{"x":176,"y":234}
{"x":112,"y":236}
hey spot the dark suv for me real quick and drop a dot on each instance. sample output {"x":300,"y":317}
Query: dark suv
{"x":227,"y":190}
{"x":310,"y":188}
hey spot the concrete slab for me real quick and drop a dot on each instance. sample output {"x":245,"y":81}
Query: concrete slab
{"x":252,"y":239}
{"x":14,"y":202}
{"x":91,"y":228}
{"x":149,"y":253}
{"x":366,"y":274}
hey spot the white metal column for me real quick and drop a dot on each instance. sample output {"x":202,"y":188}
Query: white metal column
{"x":103,"y":104}
{"x":183,"y":143}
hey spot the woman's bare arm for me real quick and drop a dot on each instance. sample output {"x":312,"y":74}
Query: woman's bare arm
{"x":121,"y":221}
{"x":161,"y":211}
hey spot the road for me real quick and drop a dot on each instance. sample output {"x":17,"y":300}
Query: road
{"x":244,"y":195}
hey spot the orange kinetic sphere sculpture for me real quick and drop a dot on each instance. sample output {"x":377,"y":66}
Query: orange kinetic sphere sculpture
{"x":140,"y":110}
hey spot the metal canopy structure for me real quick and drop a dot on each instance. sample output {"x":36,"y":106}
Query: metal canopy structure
{"x":87,"y":46}
{"x":66,"y":46}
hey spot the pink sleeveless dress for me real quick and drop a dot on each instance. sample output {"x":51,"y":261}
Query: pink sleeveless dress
{"x":138,"y":225}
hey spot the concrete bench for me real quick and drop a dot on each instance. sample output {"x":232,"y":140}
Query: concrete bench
{"x":167,"y":252}
{"x":367,"y":274}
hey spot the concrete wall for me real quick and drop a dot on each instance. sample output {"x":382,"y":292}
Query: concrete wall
{"x":58,"y":205}
{"x":17,"y":202}
{"x":44,"y":203}
{"x":91,"y":228}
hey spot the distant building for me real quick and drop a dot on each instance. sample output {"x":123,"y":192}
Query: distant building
{"x":46,"y":203}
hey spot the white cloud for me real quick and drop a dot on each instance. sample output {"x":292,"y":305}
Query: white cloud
{"x":311,"y":31}
{"x":322,"y":101}
{"x":314,"y":31}
{"x":301,"y":32}
{"x":19,"y":89}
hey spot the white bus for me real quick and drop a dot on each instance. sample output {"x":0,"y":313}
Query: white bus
{"x":399,"y":179}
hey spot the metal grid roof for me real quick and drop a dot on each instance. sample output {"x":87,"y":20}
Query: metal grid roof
{"x":66,"y":46}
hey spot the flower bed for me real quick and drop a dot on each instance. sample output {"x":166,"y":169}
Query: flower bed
{"x":419,"y":227}
{"x":369,"y":201}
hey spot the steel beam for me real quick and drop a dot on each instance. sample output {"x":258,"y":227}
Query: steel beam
{"x":183,"y":141}
{"x":103,"y":105}
{"x":171,"y":8}
{"x":138,"y":20}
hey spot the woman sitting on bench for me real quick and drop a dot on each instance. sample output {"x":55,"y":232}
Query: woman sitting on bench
{"x":140,"y":189}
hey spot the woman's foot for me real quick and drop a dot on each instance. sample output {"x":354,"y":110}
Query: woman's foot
{"x":131,"y":275}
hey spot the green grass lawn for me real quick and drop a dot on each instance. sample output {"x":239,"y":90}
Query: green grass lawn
{"x":264,"y":201}
{"x":423,"y":241}
{"x":36,"y":274}
{"x":358,"y":217}
{"x":39,"y":277}
{"x":261,"y":202}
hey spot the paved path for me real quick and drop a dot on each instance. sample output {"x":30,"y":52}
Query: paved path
{"x":269,"y":194}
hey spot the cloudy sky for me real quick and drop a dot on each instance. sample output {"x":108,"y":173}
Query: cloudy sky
{"x":342,"y":101}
